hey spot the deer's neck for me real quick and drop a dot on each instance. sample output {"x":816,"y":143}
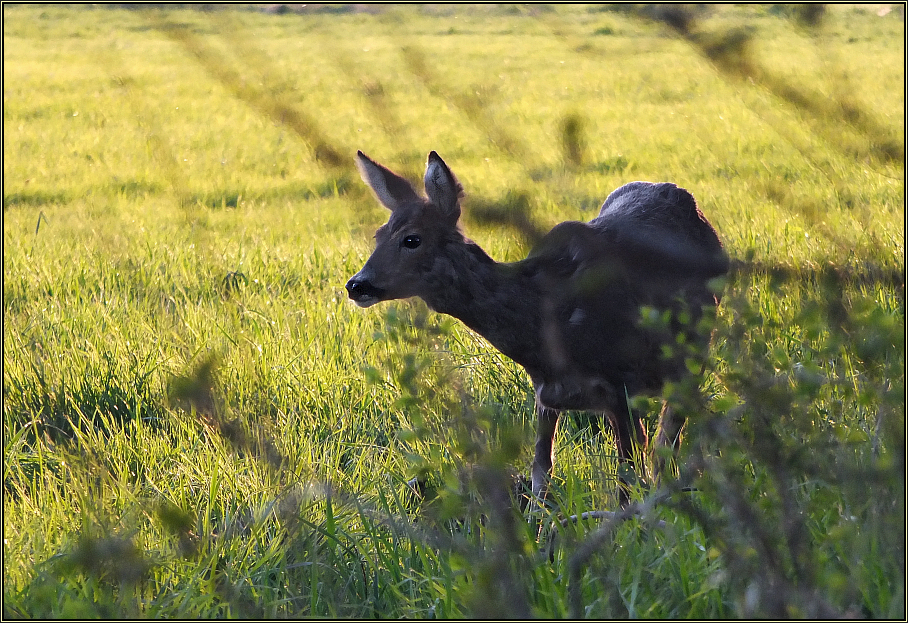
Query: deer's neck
{"x":497,"y":300}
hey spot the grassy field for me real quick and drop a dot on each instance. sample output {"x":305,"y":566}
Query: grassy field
{"x":197,"y":423}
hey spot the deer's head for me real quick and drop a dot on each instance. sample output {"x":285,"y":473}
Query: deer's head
{"x":409,"y":247}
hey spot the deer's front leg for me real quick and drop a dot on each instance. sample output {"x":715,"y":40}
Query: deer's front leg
{"x":546,"y":423}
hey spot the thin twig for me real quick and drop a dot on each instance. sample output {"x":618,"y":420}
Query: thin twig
{"x":597,"y":539}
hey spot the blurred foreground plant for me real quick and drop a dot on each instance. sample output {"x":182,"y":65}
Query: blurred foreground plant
{"x":801,"y":464}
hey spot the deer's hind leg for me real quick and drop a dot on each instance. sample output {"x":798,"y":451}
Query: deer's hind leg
{"x":630,"y":442}
{"x":668,"y":436}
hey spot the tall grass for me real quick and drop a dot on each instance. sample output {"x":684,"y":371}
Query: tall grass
{"x":198,"y":424}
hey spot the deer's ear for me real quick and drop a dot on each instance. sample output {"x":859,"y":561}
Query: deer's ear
{"x":442,"y":187}
{"x":391,"y":189}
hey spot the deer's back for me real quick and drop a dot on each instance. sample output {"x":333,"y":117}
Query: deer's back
{"x":649,"y":246}
{"x":663,"y":220}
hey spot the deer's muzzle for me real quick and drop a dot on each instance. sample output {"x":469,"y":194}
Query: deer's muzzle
{"x":363,"y":293}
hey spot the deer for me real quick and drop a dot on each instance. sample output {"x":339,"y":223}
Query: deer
{"x":574,"y":313}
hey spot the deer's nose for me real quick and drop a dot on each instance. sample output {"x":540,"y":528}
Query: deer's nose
{"x":355,"y":286}
{"x":360,"y":289}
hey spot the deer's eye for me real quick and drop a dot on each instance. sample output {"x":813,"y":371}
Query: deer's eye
{"x":411,"y":242}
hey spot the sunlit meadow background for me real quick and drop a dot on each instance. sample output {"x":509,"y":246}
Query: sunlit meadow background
{"x":197,"y":423}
